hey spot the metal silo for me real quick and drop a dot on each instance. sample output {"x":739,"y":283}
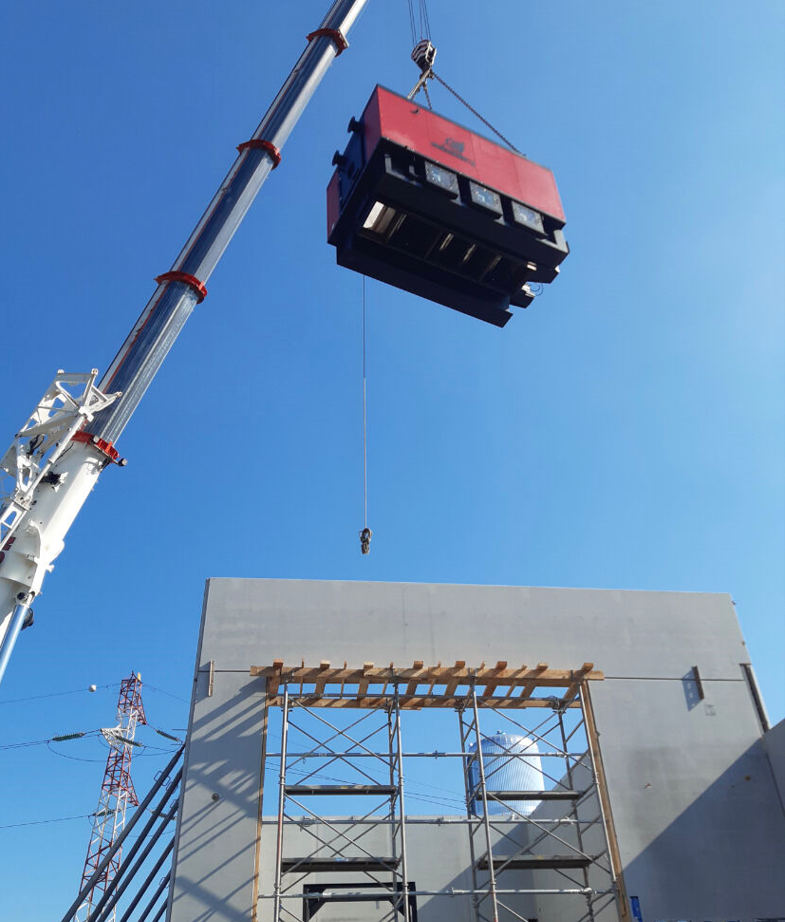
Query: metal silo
{"x":512,"y":763}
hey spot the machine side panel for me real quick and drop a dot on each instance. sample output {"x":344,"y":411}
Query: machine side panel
{"x":457,"y":148}
{"x":371,"y":120}
{"x":333,"y":203}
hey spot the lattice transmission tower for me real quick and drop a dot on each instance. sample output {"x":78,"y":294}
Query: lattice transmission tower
{"x":117,"y":792}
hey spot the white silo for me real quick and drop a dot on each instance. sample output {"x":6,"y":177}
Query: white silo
{"x":512,"y":763}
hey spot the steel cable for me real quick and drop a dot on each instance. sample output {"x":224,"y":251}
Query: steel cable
{"x":474,"y":112}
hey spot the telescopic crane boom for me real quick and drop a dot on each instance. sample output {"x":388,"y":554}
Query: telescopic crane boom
{"x":57,"y":457}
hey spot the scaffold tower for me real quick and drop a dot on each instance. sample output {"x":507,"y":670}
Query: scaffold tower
{"x":117,"y":792}
{"x":553,"y":842}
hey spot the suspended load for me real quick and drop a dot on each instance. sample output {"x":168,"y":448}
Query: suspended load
{"x":424,"y":204}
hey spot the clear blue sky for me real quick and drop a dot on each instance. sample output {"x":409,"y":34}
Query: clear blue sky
{"x":626,"y":431}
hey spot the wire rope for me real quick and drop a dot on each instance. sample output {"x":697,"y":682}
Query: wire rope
{"x":412,"y":23}
{"x":474,"y":111}
{"x":425,"y":24}
{"x":365,"y":410}
{"x":420,"y":18}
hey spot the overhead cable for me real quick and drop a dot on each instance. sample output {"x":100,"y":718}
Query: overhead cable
{"x":73,"y":691}
{"x":58,"y":819}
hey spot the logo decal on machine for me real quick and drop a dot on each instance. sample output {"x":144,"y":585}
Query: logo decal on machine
{"x":453,"y":147}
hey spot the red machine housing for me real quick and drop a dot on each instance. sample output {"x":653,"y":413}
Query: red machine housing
{"x":426,"y":205}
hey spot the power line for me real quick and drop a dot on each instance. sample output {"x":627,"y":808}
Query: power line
{"x":59,"y":738}
{"x":24,"y":745}
{"x":59,"y":819}
{"x":163,"y":691}
{"x":84,"y":734}
{"x":73,"y":691}
{"x":77,"y":691}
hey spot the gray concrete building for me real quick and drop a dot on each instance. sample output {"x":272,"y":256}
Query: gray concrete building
{"x":694,"y":777}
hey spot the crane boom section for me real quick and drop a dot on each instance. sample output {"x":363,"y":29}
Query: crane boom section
{"x":41,"y":525}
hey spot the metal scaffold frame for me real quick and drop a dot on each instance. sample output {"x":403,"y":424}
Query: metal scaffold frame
{"x":384,"y":877}
{"x":588,"y":867}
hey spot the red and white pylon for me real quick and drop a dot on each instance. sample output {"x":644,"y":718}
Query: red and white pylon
{"x":117,"y":792}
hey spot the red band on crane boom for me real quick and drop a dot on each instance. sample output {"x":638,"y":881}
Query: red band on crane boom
{"x":271,"y":149}
{"x":191,"y":280}
{"x":102,"y":445}
{"x":338,"y":38}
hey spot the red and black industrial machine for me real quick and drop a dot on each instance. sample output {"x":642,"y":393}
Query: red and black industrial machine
{"x":424,"y":204}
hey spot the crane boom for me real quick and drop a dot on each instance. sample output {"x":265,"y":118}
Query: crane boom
{"x":56,"y":458}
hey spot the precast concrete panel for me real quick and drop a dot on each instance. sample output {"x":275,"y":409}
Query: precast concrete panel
{"x":438,"y":859}
{"x":697,"y":812}
{"x":774,"y":742}
{"x":651,"y":634}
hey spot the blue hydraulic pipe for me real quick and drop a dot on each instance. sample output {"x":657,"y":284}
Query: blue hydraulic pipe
{"x":181,"y":289}
{"x":9,"y":640}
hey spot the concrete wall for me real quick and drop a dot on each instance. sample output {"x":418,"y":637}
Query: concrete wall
{"x":774,"y":742}
{"x":438,"y":856}
{"x":698,"y":815}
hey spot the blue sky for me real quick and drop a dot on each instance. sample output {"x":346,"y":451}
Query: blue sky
{"x":627,"y":431}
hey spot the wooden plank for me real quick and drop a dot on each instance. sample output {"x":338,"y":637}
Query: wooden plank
{"x":274,"y":679}
{"x":573,"y":690}
{"x":387,"y":680}
{"x":572,"y":693}
{"x":449,"y":689}
{"x":490,"y":688}
{"x":617,"y":867}
{"x":538,"y":675}
{"x":434,"y":672}
{"x":512,"y":687}
{"x":266,"y":704}
{"x":362,"y":689}
{"x":541,"y":673}
{"x":411,"y":688}
{"x":417,"y":702}
{"x":323,"y":667}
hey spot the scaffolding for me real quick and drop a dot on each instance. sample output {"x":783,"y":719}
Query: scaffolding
{"x":558,"y":836}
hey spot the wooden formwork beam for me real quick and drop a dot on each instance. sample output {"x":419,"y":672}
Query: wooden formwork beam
{"x":541,"y":675}
{"x":418,"y":702}
{"x":617,"y":867}
{"x":438,"y":686}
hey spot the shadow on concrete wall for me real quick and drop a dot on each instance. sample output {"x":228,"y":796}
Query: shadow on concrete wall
{"x":738,"y":822}
{"x":208,"y":826}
